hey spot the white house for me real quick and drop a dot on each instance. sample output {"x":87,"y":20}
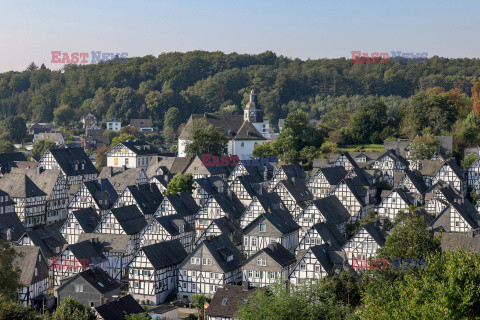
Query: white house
{"x":244,"y":132}
{"x":114,"y":124}
{"x":131,"y":154}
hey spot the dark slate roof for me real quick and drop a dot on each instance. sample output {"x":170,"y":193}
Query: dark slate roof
{"x":98,"y":188}
{"x":163,"y":162}
{"x":97,"y":135}
{"x":332,"y":209}
{"x":147,"y":196}
{"x":10,"y":221}
{"x":251,"y":186}
{"x":228,"y":299}
{"x":220,"y":248}
{"x":430,"y":167}
{"x":232,"y":126}
{"x":48,"y":239}
{"x":87,"y":218}
{"x":100,"y":280}
{"x":357,"y":189}
{"x":117,"y":309}
{"x":68,"y":157}
{"x":180,"y":164}
{"x":330,"y":234}
{"x":298,"y":190}
{"x":350,"y":159}
{"x":334,"y":174}
{"x":293,"y":171}
{"x":280,"y":219}
{"x":172,"y":224}
{"x":7,"y":160}
{"x":140,"y":147}
{"x":326,"y":256}
{"x":270,"y":199}
{"x":86,"y":250}
{"x":26,"y":261}
{"x":230,"y":204}
{"x":120,"y":178}
{"x":212,"y":184}
{"x":455,"y":241}
{"x":130,"y":219}
{"x":280,"y":254}
{"x":377,"y":234}
{"x":259,"y":173}
{"x":225,"y":225}
{"x":107,"y":242}
{"x":417,"y":180}
{"x":165,"y":254}
{"x":460,"y":172}
{"x":183,"y":203}
{"x":20,"y":186}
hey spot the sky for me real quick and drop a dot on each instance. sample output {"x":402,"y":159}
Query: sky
{"x":31,"y":30}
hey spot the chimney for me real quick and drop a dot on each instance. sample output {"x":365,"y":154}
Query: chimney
{"x":265,"y":174}
{"x":269,"y":209}
{"x":294,"y":180}
{"x":39,"y":170}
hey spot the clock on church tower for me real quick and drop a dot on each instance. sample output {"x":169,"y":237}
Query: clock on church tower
{"x":252,"y":112}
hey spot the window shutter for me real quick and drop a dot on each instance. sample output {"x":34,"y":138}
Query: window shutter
{"x":261,"y":274}
{"x":268,"y":275}
{"x":276,"y":273}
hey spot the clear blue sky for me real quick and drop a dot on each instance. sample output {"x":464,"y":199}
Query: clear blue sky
{"x":30,"y":30}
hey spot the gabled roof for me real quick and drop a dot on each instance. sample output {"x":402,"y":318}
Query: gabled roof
{"x":298,"y":190}
{"x":183,"y":203}
{"x":140,"y":147}
{"x":278,"y":253}
{"x":230,"y":204}
{"x":332,"y":209}
{"x":120,"y":178}
{"x":118,"y":309}
{"x":98,"y":189}
{"x":221,"y":248}
{"x":88,"y":219}
{"x":333,"y":174}
{"x":85,"y":250}
{"x":7,"y":160}
{"x":107,"y":242}
{"x":212,"y":184}
{"x":269,"y":200}
{"x":48,"y":239}
{"x":280,"y":219}
{"x":228,"y":299}
{"x":11,"y":224}
{"x":430,"y":167}
{"x":377,"y":234}
{"x":20,"y":186}
{"x":180,"y":164}
{"x":417,"y":180}
{"x":234,"y":127}
{"x":147,"y":196}
{"x":165,"y":254}
{"x":293,"y":171}
{"x":26,"y":261}
{"x":326,"y":257}
{"x":67,"y":158}
{"x":130,"y":219}
{"x":330,"y":234}
{"x":358,"y":190}
{"x":171,"y":224}
{"x":455,"y":241}
{"x":100,"y":280}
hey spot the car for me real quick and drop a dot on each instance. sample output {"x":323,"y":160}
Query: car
{"x":182,"y":302}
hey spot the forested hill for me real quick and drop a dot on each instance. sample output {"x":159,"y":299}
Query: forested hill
{"x":197,"y":82}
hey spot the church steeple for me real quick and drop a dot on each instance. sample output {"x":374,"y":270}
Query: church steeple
{"x":252,"y":112}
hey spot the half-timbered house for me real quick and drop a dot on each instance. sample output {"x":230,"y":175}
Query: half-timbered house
{"x":153,"y":271}
{"x":124,"y":220}
{"x":213,"y":264}
{"x":146,"y":197}
{"x":320,"y":233}
{"x":33,"y":273}
{"x":222,"y":226}
{"x":201,"y":168}
{"x":245,"y":188}
{"x":269,"y":265}
{"x":473,"y":173}
{"x":325,"y":179}
{"x":78,"y":222}
{"x":363,"y":246}
{"x":447,"y":171}
{"x":456,"y":216}
{"x":318,"y":261}
{"x":6,"y":203}
{"x":394,"y":201}
{"x":260,"y":170}
{"x":205,"y":187}
{"x":345,"y":160}
{"x":275,"y":226}
{"x":74,"y":163}
{"x":11,"y":228}
{"x":30,"y":200}
{"x":96,"y":194}
{"x":76,"y":258}
{"x":287,"y":172}
{"x":261,"y":204}
{"x":166,"y":228}
{"x":413,"y":182}
{"x":217,"y":206}
{"x":328,"y":209}
{"x":294,"y":194}
{"x":354,"y":196}
{"x":389,"y":163}
{"x":182,"y":204}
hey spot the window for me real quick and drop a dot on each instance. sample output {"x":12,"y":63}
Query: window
{"x":79,"y":288}
{"x":184,"y":285}
{"x":195,"y":260}
{"x":212,"y":275}
{"x":242,"y":144}
{"x":194,"y":286}
{"x":261,"y":262}
{"x":302,"y":267}
{"x":39,"y":258}
{"x":254,"y":242}
{"x":36,"y":272}
{"x":457,"y":224}
{"x":245,"y":241}
{"x":250,"y":273}
{"x":317,"y":269}
{"x":224,"y":301}
{"x":207,"y":261}
{"x":92,"y":304}
{"x":262,"y":227}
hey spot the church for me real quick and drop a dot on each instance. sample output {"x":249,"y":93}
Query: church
{"x":244,"y":132}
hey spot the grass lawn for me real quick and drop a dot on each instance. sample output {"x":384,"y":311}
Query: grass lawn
{"x":362,"y":147}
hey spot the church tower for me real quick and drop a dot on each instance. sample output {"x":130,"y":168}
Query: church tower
{"x":252,"y":112}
